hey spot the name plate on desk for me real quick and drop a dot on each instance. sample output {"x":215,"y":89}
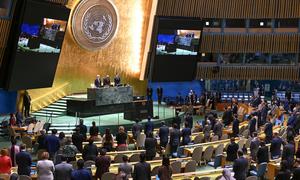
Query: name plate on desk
{"x":111,"y":95}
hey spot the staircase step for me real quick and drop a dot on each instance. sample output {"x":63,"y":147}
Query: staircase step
{"x":49,"y":113}
{"x":60,"y":104}
{"x":43,"y":114}
{"x":63,"y":125}
{"x":63,"y":128}
{"x":57,"y":107}
{"x":54,"y":109}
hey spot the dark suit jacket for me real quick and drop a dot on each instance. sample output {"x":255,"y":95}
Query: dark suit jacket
{"x":231,"y":151}
{"x":142,"y":171}
{"x":254,"y":145}
{"x":41,"y":141}
{"x":240,"y":168}
{"x":252,"y":125}
{"x":150,"y":147}
{"x":94,"y":131}
{"x":275,"y":148}
{"x":90,"y":152}
{"x":97,"y":83}
{"x":102,"y":163}
{"x":189,"y":119}
{"x":149,"y":126}
{"x":263,"y":154}
{"x":77,"y":140}
{"x":269,"y":129}
{"x":63,"y":171}
{"x":235,"y":127}
{"x":164,"y":135}
{"x":175,"y":137}
{"x":177,"y":120}
{"x":83,"y":130}
{"x":52,"y":143}
{"x":23,"y":160}
{"x":296,"y":174}
{"x":186,"y":136}
{"x":227,"y":117}
{"x":288,"y":154}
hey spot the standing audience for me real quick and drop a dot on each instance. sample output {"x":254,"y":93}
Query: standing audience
{"x":165,"y":171}
{"x":63,"y":170}
{"x":81,"y":173}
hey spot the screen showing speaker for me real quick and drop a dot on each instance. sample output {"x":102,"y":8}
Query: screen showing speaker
{"x":38,"y":42}
{"x":175,"y":49}
{"x":178,"y":42}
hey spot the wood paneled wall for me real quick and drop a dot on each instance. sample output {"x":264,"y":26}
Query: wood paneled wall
{"x":4,"y":33}
{"x":250,"y":43}
{"x":230,"y":8}
{"x":247,"y":72}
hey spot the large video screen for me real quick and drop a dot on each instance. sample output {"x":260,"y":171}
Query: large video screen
{"x":175,"y":48}
{"x":38,"y":42}
{"x":178,"y":42}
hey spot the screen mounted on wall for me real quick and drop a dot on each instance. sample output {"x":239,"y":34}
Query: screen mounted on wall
{"x":178,"y":42}
{"x":37,"y":43}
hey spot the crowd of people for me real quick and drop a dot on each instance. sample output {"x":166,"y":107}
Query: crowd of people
{"x":262,"y":119}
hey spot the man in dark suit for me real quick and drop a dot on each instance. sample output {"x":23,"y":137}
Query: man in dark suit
{"x":81,"y":173}
{"x":174,"y":139}
{"x":26,"y":103}
{"x":82,"y":128}
{"x":52,"y":143}
{"x":268,"y":131}
{"x":97,"y":82}
{"x":232,"y":150}
{"x":106,"y":81}
{"x":142,"y":170}
{"x":288,"y":153}
{"x":90,"y":151}
{"x":150,"y":146}
{"x":189,"y":120}
{"x":176,"y":119}
{"x":136,"y":129}
{"x":23,"y":160}
{"x":102,"y":163}
{"x":94,"y":130}
{"x":77,"y":139}
{"x":263,"y":153}
{"x":159,"y":94}
{"x":41,"y":140}
{"x":63,"y":170}
{"x":117,"y":80}
{"x":254,"y":145}
{"x":240,"y":167}
{"x":149,"y":126}
{"x":218,"y":129}
{"x":186,"y":134}
{"x":275,"y":148}
{"x":235,"y":126}
{"x":252,"y":125}
{"x":227,"y":116}
{"x":163,"y":135}
{"x":149,"y":93}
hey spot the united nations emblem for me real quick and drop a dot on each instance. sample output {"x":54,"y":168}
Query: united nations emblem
{"x":94,"y":23}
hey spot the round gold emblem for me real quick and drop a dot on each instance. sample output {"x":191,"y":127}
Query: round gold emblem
{"x":94,"y":23}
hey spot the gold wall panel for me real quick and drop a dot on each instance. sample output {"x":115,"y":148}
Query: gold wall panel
{"x":230,"y":8}
{"x":4,"y":33}
{"x":248,"y":72}
{"x":79,"y":67}
{"x":239,"y":43}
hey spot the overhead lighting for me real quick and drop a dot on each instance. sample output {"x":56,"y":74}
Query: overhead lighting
{"x":207,"y":23}
{"x":261,"y":23}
